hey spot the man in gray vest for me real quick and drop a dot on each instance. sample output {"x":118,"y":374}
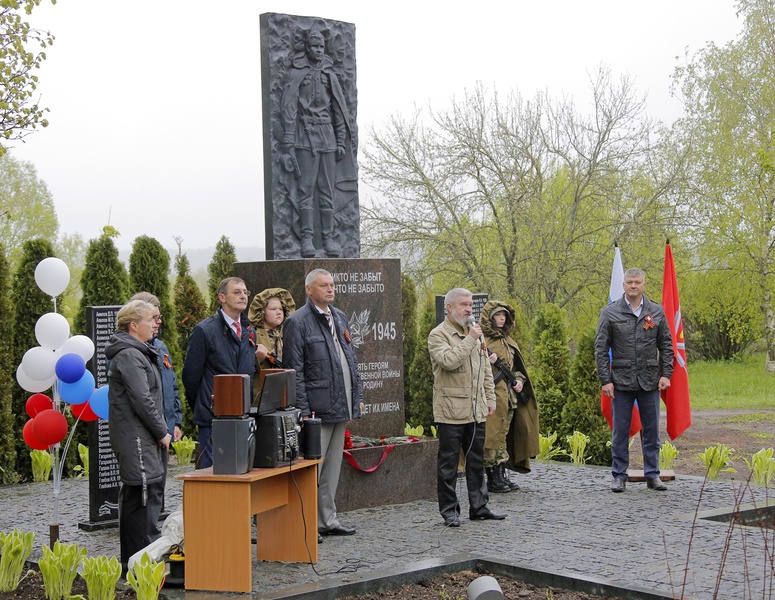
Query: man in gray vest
{"x":317,"y":344}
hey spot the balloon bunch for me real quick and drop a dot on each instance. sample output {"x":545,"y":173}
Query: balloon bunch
{"x":59,"y":364}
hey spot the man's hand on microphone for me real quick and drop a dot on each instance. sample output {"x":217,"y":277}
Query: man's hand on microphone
{"x":475,"y":331}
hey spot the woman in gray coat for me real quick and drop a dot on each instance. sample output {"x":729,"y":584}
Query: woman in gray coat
{"x":138,"y":431}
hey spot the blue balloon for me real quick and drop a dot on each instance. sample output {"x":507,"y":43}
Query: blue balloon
{"x":99,"y":402}
{"x":78,"y":392}
{"x":70,"y":368}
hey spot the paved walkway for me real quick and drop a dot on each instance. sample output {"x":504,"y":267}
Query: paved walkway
{"x":563,"y":519}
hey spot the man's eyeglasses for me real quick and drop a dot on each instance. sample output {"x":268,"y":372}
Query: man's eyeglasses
{"x":157,"y":318}
{"x":241,"y":292}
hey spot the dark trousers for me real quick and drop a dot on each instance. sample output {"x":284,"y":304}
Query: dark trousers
{"x":469,"y":438}
{"x":137,"y":517}
{"x":621,"y":407}
{"x":205,"y":457}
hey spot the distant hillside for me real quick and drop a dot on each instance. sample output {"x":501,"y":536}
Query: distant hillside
{"x":199,"y":258}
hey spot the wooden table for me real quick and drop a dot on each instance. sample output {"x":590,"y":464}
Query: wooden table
{"x":217,"y":512}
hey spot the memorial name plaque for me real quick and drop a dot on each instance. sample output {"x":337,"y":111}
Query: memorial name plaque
{"x":368,"y":291}
{"x":103,"y":466}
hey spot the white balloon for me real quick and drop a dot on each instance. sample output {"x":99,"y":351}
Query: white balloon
{"x":80,"y":345}
{"x":52,"y":330}
{"x":39,"y":363}
{"x":31,"y":385}
{"x":52,"y":276}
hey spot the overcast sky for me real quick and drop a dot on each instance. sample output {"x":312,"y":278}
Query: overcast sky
{"x":155,"y":122}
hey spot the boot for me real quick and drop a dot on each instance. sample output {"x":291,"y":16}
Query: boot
{"x":494,"y":484}
{"x":307,"y":217}
{"x":505,"y":478}
{"x":330,"y":245}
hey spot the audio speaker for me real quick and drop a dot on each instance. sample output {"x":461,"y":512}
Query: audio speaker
{"x":234,"y":445}
{"x":231,"y":395}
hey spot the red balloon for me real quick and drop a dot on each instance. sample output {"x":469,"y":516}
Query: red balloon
{"x":38,"y":403}
{"x":30,"y":439}
{"x":84,"y":412}
{"x":50,"y":427}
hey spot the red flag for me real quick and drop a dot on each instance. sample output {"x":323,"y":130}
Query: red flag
{"x":615,"y":291}
{"x":676,"y":397}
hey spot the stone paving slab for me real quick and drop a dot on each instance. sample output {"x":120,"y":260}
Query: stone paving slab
{"x":563,"y":519}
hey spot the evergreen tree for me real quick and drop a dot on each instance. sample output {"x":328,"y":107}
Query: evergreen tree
{"x":149,"y":267}
{"x":7,"y":383}
{"x":552,"y":357}
{"x":582,"y":411}
{"x":190,"y":309}
{"x":29,"y":303}
{"x":409,"y":319}
{"x":421,"y":372}
{"x":104,"y":281}
{"x":221,"y":266}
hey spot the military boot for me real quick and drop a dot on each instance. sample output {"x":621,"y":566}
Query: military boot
{"x":505,"y":478}
{"x":494,"y":484}
{"x":307,"y":217}
{"x":330,"y":245}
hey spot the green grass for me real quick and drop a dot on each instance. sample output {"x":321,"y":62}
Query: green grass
{"x":741,"y":385}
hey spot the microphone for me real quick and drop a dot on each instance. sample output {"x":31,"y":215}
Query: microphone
{"x":471,"y":320}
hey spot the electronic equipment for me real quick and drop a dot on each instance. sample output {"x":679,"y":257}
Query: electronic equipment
{"x":278,"y":391}
{"x":277,"y":438}
{"x":231,"y":395}
{"x":234,"y":445}
{"x":311,"y":442}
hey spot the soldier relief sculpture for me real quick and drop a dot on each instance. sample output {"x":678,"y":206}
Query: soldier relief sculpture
{"x":314,"y":142}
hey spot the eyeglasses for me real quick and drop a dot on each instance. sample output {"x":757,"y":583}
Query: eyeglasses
{"x":241,"y":292}
{"x":157,"y":318}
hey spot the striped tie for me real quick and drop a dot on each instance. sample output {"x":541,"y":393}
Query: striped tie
{"x":238,"y":329}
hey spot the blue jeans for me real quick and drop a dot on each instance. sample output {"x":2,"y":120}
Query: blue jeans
{"x":621,"y":406}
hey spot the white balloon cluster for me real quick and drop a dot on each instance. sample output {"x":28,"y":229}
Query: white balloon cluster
{"x":38,"y":369}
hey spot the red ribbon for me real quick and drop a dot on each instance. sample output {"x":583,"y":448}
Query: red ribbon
{"x":348,"y":455}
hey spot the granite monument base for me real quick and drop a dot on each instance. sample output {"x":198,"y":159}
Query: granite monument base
{"x":407,"y":473}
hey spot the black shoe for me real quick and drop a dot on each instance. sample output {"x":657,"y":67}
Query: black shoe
{"x":505,"y":478}
{"x":320,"y":539}
{"x":339,"y":530}
{"x":452,"y":522}
{"x":487,"y":515}
{"x":494,"y":484}
{"x":618,"y":485}
{"x":655,"y":483}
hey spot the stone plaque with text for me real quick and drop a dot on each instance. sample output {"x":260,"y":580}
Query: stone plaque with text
{"x":103,"y":466}
{"x":369,"y":293}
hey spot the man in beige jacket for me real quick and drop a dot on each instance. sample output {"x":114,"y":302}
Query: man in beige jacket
{"x":463,"y":396}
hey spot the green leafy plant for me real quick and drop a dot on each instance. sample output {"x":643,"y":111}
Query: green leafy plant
{"x":762,"y":467}
{"x":414,"y":431}
{"x":184,"y":450}
{"x":101,"y":574}
{"x":717,"y":459}
{"x":15,"y":548}
{"x":146,"y":578}
{"x":434,"y":431}
{"x":547,"y":449}
{"x":667,"y":454}
{"x":578,"y":444}
{"x":59,"y":568}
{"x":42,"y":462}
{"x":83,"y":454}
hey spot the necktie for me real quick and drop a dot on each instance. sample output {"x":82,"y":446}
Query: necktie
{"x":330,"y":319}
{"x":238,"y":329}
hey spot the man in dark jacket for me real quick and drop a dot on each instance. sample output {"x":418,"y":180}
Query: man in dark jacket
{"x":318,"y":346}
{"x":224,"y":344}
{"x":637,"y":333}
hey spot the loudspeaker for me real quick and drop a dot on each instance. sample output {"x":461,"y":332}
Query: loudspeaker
{"x":234,"y":445}
{"x":231,"y":395}
{"x":311,"y":443}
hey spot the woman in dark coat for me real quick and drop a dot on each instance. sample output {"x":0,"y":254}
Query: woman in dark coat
{"x":138,"y":431}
